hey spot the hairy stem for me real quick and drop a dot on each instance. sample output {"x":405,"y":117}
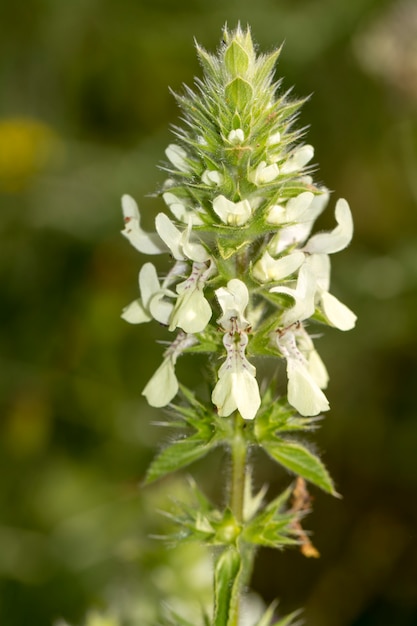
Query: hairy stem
{"x":239,"y":453}
{"x":237,"y":497}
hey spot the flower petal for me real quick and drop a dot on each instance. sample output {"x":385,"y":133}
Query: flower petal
{"x":163,"y":385}
{"x":320,"y":266}
{"x":213,"y":178}
{"x":298,"y":232}
{"x":232,"y":213}
{"x":304,"y":394}
{"x":338,"y":238}
{"x":236,"y":136}
{"x":298,"y":206}
{"x":303,"y":295}
{"x":237,"y":390}
{"x":135,"y":313}
{"x":296,"y":161}
{"x":160,"y":308}
{"x":246,"y":391}
{"x":337,"y":313}
{"x":237,"y":387}
{"x":180,"y":210}
{"x":148,"y":243}
{"x":223,"y":398}
{"x":315,"y":365}
{"x":170,"y":235}
{"x":273,"y":139}
{"x":264,"y":173}
{"x":233,"y":300}
{"x":193,"y":250}
{"x":269,"y":269}
{"x":177,"y":156}
{"x":317,"y":369}
{"x":148,"y":283}
{"x":192,"y":312}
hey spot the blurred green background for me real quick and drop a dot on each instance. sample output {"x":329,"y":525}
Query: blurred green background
{"x":84,"y":117}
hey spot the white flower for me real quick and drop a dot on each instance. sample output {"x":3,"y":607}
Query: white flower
{"x":163,"y":385}
{"x":336,"y":240}
{"x":336,"y":313}
{"x":315,"y":365}
{"x":303,"y":295}
{"x":273,"y":139}
{"x":298,"y":232}
{"x":192,"y":312}
{"x":232,"y":213}
{"x":237,"y":387}
{"x":148,"y":243}
{"x":236,"y":136}
{"x":177,"y":156}
{"x":179,"y":242}
{"x":304,"y":393}
{"x":296,"y":161}
{"x":233,"y":300}
{"x":151,"y":304}
{"x":268,"y":269}
{"x":295,"y":210}
{"x":180,"y":210}
{"x":213,"y":178}
{"x":264,"y":173}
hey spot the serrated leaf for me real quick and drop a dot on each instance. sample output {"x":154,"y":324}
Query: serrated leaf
{"x":178,"y":455}
{"x":239,"y":93}
{"x":298,"y":459}
{"x":226,"y":586}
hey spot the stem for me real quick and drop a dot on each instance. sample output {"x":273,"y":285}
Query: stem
{"x":237,"y":500}
{"x":239,"y":451}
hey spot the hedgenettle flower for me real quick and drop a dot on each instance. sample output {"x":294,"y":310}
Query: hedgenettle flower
{"x":242,"y":209}
{"x":237,"y":387}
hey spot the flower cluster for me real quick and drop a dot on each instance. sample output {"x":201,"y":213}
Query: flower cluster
{"x":242,"y":206}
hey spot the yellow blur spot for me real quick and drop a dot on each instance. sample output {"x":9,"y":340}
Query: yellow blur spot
{"x":26,"y":147}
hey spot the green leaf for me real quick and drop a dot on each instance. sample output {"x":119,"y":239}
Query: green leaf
{"x":239,"y":93}
{"x":298,"y":459}
{"x":226,"y":586}
{"x":236,"y":59}
{"x":178,"y":455}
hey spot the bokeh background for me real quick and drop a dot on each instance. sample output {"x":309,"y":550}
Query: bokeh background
{"x":84,"y":117}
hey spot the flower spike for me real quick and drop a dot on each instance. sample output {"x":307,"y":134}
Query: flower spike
{"x":248,"y":282}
